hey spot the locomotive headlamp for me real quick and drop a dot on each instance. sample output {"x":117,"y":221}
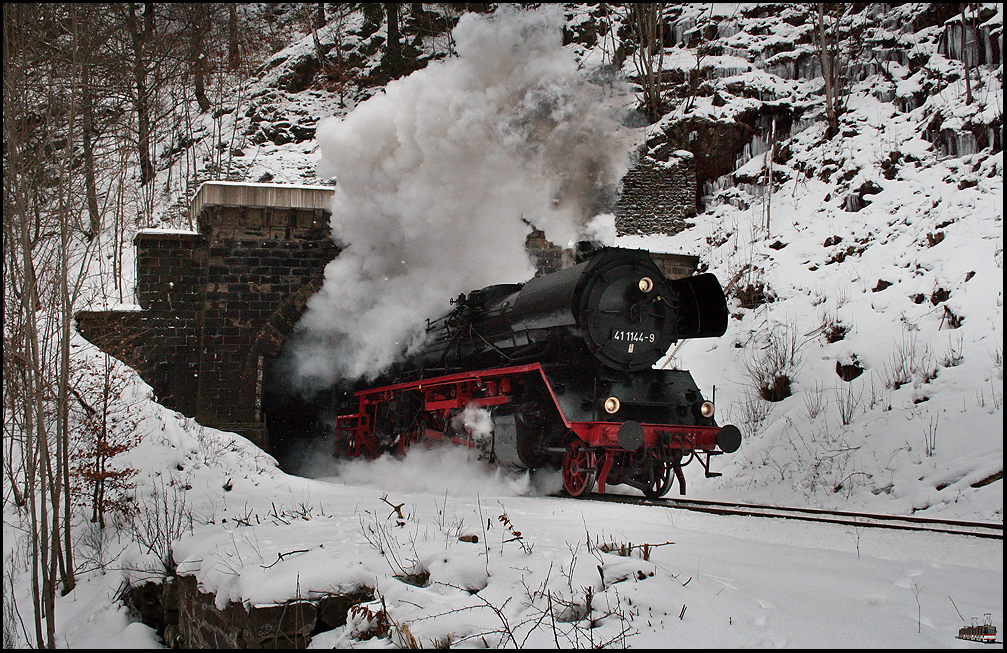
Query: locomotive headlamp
{"x":706,"y":409}
{"x":612,"y":405}
{"x":646,"y":284}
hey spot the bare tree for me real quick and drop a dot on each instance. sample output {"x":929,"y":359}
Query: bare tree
{"x":647,"y":19}
{"x":201,"y":16}
{"x":87,"y":138}
{"x":32,"y":113}
{"x":319,"y":15}
{"x":19,"y":132}
{"x":966,"y":51}
{"x":154,"y":55}
{"x":770,"y":153}
{"x":828,"y":53}
{"x":233,"y":54}
{"x":703,"y":49}
{"x":338,"y":74}
{"x":51,"y":222}
{"x":73,"y":259}
{"x":393,"y":46}
{"x":109,"y":427}
{"x":141,"y":92}
{"x":318,"y":23}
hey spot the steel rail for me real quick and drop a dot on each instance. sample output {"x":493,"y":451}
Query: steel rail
{"x":858,"y":519}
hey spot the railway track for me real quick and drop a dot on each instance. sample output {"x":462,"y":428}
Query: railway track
{"x":857,"y":519}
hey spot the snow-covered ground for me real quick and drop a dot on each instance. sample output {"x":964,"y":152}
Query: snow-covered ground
{"x":708,"y":581}
{"x":914,"y":283}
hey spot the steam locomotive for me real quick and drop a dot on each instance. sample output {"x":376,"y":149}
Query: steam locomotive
{"x":564,"y":365}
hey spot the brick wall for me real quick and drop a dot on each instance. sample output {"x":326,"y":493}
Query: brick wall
{"x":548,"y":258}
{"x":251,"y":275}
{"x":657,"y":196}
{"x":161,"y":341}
{"x":675,"y":266}
{"x":171,"y":284}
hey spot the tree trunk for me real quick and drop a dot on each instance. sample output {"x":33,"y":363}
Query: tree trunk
{"x":200,"y":20}
{"x":965,"y":56}
{"x":200,"y":72}
{"x":769,"y":176}
{"x":23,"y":77}
{"x":393,"y":49}
{"x":141,"y":101}
{"x":233,"y":55}
{"x":647,"y":18}
{"x":94,"y":223}
{"x":318,"y":48}
{"x":830,"y":101}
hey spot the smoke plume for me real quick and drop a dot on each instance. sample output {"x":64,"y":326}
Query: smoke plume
{"x":439,"y":178}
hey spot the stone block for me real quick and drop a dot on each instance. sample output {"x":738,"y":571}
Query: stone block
{"x":282,"y":621}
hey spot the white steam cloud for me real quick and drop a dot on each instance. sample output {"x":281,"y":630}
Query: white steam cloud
{"x":478,"y":422}
{"x":438,"y":469}
{"x":440,"y":176}
{"x":447,"y":469}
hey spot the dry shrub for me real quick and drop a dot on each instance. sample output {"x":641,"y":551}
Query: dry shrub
{"x":775,"y":365}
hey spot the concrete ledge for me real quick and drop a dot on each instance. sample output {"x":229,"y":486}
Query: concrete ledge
{"x":276,"y":196}
{"x":166,"y":234}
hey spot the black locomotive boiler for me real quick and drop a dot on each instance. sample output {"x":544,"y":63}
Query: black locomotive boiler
{"x":565,"y":365}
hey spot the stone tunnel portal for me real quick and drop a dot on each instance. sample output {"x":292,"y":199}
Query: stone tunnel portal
{"x":217,"y":305}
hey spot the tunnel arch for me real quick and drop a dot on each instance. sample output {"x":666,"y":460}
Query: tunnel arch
{"x":274,"y":333}
{"x":286,"y":418}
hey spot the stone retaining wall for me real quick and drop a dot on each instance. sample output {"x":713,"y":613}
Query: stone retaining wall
{"x":186,"y":617}
{"x":658,"y":197}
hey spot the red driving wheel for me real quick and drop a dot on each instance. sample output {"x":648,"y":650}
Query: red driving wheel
{"x":579,"y":469}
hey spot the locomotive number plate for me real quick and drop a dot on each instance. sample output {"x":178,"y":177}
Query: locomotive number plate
{"x":625,"y":335}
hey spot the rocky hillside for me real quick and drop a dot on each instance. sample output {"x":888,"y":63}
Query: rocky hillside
{"x":734,"y":80}
{"x":731,"y":80}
